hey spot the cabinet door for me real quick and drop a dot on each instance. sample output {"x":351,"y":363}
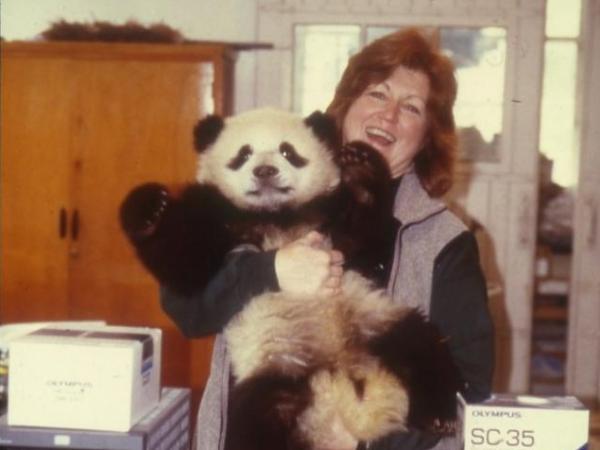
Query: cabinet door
{"x":36,"y":99}
{"x":134,"y":122}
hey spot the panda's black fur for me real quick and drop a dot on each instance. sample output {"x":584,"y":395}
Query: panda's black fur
{"x":265,"y":178}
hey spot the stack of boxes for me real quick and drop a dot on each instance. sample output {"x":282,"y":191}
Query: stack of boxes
{"x":92,"y":387}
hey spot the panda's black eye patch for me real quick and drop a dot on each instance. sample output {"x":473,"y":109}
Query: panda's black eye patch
{"x":242,"y":156}
{"x":288,"y":151}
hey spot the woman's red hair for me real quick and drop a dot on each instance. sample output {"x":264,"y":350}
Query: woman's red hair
{"x":434,"y":164}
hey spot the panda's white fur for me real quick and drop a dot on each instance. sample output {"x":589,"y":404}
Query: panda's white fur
{"x":381,"y":409}
{"x":263,"y":131}
{"x":296,"y":333}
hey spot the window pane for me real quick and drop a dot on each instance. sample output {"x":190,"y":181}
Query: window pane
{"x":563,"y":18}
{"x":375,"y":32}
{"x":479,"y":55}
{"x":321,"y":53}
{"x":557,"y":133}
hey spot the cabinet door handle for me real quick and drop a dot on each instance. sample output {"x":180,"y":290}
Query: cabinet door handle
{"x":62,"y":223}
{"x":75,"y":225}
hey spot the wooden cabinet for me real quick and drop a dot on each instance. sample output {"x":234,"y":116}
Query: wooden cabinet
{"x":82,"y":123}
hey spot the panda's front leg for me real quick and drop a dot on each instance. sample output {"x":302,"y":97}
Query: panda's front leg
{"x":263,"y":413}
{"x":182,"y":240}
{"x":143,"y":209}
{"x":363,"y":226}
{"x":366,"y":175}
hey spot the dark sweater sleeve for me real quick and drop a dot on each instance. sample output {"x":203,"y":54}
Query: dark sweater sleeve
{"x":412,"y":440}
{"x":244,"y":275}
{"x":459,"y":306}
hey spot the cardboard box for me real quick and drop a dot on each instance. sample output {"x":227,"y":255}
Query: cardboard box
{"x":97,"y":378}
{"x":11,"y":331}
{"x":166,"y":427}
{"x":524,"y":422}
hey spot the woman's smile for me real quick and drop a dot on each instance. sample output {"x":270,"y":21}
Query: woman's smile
{"x":379,"y":136}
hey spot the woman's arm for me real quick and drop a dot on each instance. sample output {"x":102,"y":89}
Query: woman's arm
{"x":303,"y":266}
{"x":245,"y":274}
{"x":459,"y":306}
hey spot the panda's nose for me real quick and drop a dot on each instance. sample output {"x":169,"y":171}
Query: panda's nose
{"x":265,"y":171}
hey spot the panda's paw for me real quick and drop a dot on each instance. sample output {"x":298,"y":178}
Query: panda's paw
{"x":357,"y":155}
{"x":143,"y":209}
{"x":364,"y":172}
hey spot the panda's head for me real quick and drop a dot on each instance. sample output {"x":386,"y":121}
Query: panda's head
{"x":266,"y":159}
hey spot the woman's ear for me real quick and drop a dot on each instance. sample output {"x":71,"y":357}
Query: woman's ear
{"x":207,"y":131}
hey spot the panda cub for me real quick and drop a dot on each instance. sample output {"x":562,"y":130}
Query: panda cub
{"x":301,"y":364}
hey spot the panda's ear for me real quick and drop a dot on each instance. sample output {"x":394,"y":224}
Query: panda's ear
{"x":325,"y":128}
{"x":207,"y":131}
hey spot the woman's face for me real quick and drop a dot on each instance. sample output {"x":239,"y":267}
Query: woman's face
{"x":392,"y":117}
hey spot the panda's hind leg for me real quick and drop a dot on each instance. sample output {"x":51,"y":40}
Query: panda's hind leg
{"x":414,"y":349}
{"x":358,"y":400}
{"x":408,"y":345}
{"x":263,"y":412}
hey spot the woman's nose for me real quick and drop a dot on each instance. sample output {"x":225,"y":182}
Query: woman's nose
{"x":391,"y":112}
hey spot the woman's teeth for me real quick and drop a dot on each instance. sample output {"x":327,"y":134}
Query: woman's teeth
{"x":380,"y":135}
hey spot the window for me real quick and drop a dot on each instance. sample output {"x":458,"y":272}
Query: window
{"x":558,"y":133}
{"x":321,"y":54}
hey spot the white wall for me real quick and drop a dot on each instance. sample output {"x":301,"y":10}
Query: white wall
{"x":225,"y":20}
{"x":210,"y":20}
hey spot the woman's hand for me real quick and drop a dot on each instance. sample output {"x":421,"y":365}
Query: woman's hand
{"x":306,"y":267}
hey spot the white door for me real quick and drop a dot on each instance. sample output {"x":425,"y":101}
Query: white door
{"x":583,"y":358}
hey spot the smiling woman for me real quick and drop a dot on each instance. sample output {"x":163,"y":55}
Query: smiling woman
{"x":398,"y":94}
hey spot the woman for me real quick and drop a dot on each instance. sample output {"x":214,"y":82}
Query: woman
{"x":397,"y":94}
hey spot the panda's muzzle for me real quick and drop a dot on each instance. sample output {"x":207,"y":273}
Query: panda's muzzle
{"x":267,"y":181}
{"x":265,"y":171}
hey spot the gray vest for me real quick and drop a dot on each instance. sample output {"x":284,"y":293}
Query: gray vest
{"x":427,"y":226}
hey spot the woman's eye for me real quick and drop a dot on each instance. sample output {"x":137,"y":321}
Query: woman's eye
{"x":377,"y":94}
{"x":412,"y":108}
